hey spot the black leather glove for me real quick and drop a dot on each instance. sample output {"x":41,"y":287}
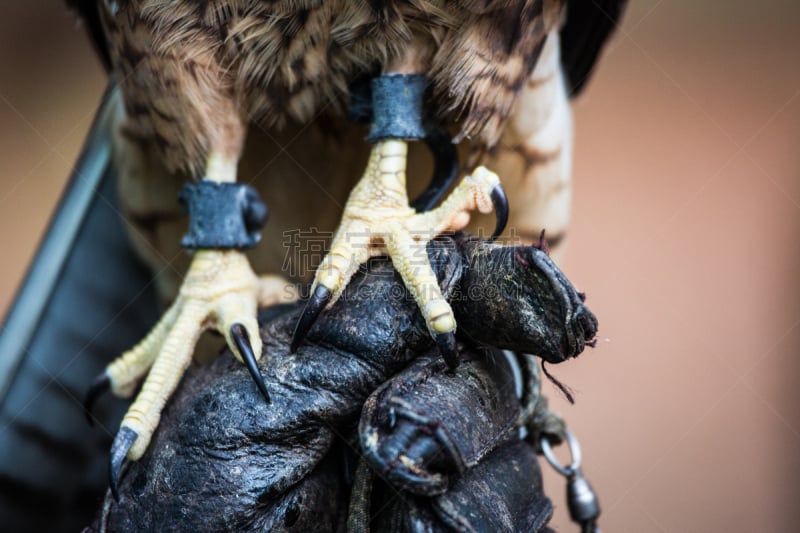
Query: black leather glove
{"x":223,"y":459}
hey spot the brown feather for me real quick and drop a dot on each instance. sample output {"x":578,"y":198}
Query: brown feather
{"x":193,"y":74}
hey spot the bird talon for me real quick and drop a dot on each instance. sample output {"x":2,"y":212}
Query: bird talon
{"x":220,"y":293}
{"x":500,"y":202}
{"x":119,"y":450}
{"x":321,"y":297}
{"x":377,"y":221}
{"x":447,"y":347}
{"x":242,"y":340}
{"x":99,"y":386}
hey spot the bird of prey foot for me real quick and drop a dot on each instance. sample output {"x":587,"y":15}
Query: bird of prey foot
{"x":219,"y":292}
{"x":378,"y":220}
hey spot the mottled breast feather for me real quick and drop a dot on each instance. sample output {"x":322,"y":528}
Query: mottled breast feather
{"x":190,"y":70}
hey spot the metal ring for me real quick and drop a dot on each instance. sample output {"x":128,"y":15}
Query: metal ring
{"x":574,"y":450}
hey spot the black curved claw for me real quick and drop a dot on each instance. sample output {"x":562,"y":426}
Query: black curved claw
{"x":242,"y":340}
{"x":314,"y":306}
{"x":500,"y":201}
{"x":119,"y":449}
{"x":445,"y":169}
{"x":100,"y":385}
{"x":447,"y":347}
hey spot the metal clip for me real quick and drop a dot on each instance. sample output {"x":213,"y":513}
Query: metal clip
{"x":582,"y":502}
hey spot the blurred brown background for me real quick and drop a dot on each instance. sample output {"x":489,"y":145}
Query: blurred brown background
{"x":685,"y":236}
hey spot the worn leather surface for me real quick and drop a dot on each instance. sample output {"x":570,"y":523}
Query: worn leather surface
{"x":223,"y":460}
{"x":503,"y":492}
{"x":427,"y":426}
{"x":446,"y":450}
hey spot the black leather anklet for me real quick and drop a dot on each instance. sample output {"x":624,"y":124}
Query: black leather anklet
{"x":222,"y":215}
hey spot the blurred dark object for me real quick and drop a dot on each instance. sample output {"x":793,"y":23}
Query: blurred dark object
{"x":88,"y":12}
{"x":589,"y":25}
{"x":52,"y":468}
